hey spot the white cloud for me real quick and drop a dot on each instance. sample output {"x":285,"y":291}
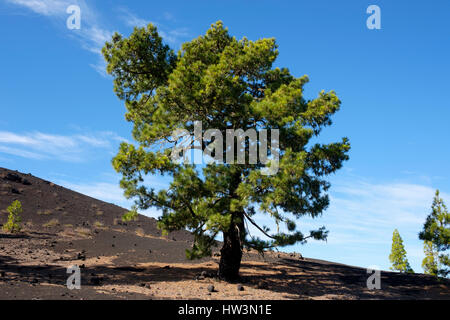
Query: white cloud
{"x":92,"y":35}
{"x":44,"y":7}
{"x":42,"y":146}
{"x":108,"y":192}
{"x":362,"y":216}
{"x":171,"y":36}
{"x":21,"y":153}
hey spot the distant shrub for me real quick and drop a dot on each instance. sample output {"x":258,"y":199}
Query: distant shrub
{"x":51,"y":223}
{"x":98,"y":224}
{"x":14,"y":219}
{"x":44,"y":212}
{"x":130,"y":215}
{"x":85,"y":232}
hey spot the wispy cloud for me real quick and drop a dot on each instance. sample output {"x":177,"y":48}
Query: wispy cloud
{"x":92,"y":36}
{"x":361,"y":218}
{"x":108,"y":192}
{"x":173,"y":36}
{"x":44,"y":7}
{"x":41,"y":146}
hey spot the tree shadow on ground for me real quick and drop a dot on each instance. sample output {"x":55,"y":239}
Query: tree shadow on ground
{"x":294,"y":279}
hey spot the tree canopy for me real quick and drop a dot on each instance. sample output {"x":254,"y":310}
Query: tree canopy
{"x":398,"y":254}
{"x":436,"y":230}
{"x":224,"y":83}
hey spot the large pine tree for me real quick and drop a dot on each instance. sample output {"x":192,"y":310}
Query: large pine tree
{"x":430,"y":263}
{"x":398,"y":257}
{"x":224,"y":83}
{"x":437,"y":231}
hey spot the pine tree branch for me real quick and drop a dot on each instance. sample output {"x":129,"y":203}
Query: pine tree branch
{"x":259,"y":228}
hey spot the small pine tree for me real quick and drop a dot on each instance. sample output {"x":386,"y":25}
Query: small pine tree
{"x":398,"y":255}
{"x":430,"y":263}
{"x":14,"y":219}
{"x":437,"y":230}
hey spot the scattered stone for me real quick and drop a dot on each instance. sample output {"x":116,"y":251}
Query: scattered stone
{"x":166,"y":267}
{"x":211,"y":288}
{"x":261,"y":285}
{"x":240,"y":287}
{"x":96,"y":281}
{"x":13,"y":177}
{"x":81,"y":256}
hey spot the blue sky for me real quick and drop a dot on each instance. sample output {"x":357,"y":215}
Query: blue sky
{"x":61,"y":121}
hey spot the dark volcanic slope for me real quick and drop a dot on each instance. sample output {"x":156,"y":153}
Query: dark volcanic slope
{"x":44,"y":202}
{"x":80,"y":222}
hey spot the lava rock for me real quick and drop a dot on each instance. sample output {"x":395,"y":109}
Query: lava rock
{"x":13,"y":177}
{"x":96,"y":281}
{"x":261,"y":285}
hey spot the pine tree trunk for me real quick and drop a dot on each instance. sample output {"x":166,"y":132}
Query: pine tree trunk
{"x":231,"y":252}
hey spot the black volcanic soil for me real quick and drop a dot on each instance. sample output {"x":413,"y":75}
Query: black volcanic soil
{"x":133,"y":260}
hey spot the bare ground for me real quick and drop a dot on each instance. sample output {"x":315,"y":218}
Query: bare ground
{"x":134,"y":261}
